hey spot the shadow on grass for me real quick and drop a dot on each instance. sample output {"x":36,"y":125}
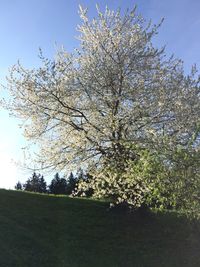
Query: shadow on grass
{"x":38,"y":230}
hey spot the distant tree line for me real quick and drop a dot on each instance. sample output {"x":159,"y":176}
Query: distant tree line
{"x":58,"y":185}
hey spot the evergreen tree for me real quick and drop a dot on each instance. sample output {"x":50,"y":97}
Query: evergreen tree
{"x":35,"y":184}
{"x":58,"y":185}
{"x":71,"y":184}
{"x":18,"y":186}
{"x":88,"y":177}
{"x":42,"y":185}
{"x":84,"y":178}
{"x":80,"y":174}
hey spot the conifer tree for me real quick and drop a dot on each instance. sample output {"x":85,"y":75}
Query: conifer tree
{"x":18,"y":186}
{"x":36,"y":183}
{"x":58,"y":185}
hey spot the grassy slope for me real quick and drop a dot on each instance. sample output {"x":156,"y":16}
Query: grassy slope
{"x":38,"y":230}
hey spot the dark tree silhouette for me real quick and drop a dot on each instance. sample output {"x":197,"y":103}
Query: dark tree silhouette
{"x":18,"y":186}
{"x":36,"y":184}
{"x":71,"y":183}
{"x":58,"y":185}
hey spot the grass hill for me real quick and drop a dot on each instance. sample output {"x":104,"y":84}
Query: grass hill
{"x":40,"y":230}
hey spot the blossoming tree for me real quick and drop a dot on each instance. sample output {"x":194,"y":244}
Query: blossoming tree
{"x":107,"y":102}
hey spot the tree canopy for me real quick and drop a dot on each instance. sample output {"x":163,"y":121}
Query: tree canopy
{"x":35,"y":183}
{"x":111,"y":101}
{"x":58,"y":185}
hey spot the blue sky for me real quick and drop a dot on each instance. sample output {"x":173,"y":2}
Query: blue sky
{"x":27,"y":25}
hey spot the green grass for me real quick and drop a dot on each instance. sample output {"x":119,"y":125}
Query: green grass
{"x":39,"y":230}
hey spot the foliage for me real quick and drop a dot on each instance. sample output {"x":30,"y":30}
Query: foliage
{"x":58,"y":185}
{"x":136,"y":184}
{"x":161,"y":180}
{"x":18,"y":186}
{"x":83,"y":184}
{"x":71,"y":184}
{"x":185,"y":180}
{"x":114,"y":93}
{"x":36,"y":184}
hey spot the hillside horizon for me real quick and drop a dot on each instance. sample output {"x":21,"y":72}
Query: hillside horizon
{"x":41,"y":230}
